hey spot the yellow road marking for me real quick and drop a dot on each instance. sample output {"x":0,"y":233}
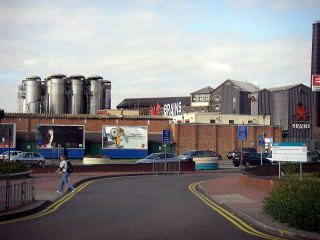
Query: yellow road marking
{"x":229,"y":216}
{"x":53,"y":207}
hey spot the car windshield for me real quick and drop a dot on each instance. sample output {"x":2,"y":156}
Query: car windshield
{"x":152,"y":156}
{"x":188,"y":153}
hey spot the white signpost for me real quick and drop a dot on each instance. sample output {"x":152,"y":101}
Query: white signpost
{"x":289,"y":152}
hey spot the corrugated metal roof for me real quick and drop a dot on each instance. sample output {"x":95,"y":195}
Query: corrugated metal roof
{"x":147,"y":102}
{"x":83,"y":116}
{"x":245,"y":86}
{"x":205,"y":90}
{"x":282,"y":88}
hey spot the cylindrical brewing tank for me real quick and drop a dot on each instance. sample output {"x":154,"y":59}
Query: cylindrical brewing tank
{"x":76,"y":104}
{"x":107,"y":94}
{"x":56,"y":93}
{"x":32,"y":88}
{"x":95,"y":94}
{"x":21,"y":100}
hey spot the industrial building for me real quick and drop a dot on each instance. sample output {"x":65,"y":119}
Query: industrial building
{"x":60,"y":94}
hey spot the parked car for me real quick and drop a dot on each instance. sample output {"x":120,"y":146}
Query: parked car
{"x":188,"y":156}
{"x":5,"y":155}
{"x":30,"y":158}
{"x":251,"y":159}
{"x":231,"y":155}
{"x":158,"y":158}
{"x":312,"y":156}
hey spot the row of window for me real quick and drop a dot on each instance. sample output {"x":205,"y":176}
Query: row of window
{"x":215,"y":98}
{"x":230,"y":121}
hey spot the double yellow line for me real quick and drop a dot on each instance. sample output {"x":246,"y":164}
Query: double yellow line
{"x":53,"y":207}
{"x":229,"y":216}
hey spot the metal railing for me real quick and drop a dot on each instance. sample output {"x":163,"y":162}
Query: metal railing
{"x":16,"y":189}
{"x":166,"y":167}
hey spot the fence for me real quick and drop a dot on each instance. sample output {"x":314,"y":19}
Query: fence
{"x":16,"y":189}
{"x":166,"y":166}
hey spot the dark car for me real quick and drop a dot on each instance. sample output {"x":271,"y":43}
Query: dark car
{"x":231,"y":155}
{"x":312,"y":156}
{"x":251,"y":159}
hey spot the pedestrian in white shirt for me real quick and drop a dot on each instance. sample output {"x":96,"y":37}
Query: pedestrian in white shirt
{"x":65,"y":175}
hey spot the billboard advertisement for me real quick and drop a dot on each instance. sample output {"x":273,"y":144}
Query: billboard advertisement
{"x":65,"y":136}
{"x":6,"y":130}
{"x":125,"y":137}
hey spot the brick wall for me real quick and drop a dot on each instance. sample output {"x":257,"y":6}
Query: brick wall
{"x":218,"y":138}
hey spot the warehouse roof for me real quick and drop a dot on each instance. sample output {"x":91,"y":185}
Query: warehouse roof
{"x":147,"y":102}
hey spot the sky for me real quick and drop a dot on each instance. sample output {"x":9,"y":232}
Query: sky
{"x":156,"y":48}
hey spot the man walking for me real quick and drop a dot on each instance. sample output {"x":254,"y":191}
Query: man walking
{"x":65,"y":175}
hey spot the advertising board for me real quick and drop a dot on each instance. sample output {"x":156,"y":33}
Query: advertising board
{"x":5,"y":130}
{"x":124,"y":137}
{"x":289,"y":152}
{"x":65,"y":136}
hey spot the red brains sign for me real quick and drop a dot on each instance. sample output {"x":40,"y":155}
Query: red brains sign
{"x":315,"y":83}
{"x":301,"y":118}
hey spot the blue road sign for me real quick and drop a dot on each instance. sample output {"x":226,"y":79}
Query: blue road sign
{"x":166,"y":136}
{"x":261,"y":142}
{"x":242,"y":132}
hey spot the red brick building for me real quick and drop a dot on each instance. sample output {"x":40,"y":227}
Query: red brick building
{"x":218,"y":138}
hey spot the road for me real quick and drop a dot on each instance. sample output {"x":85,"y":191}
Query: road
{"x":142,"y":207}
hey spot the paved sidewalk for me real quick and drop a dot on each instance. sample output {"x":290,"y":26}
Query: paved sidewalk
{"x":247,"y":202}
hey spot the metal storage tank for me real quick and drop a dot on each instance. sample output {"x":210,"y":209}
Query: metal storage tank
{"x":21,"y":100}
{"x":94,"y":94}
{"x":32,"y":88}
{"x":107,"y":94}
{"x":56,"y":93}
{"x":76,"y":94}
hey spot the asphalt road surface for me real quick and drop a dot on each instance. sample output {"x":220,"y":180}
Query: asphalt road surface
{"x":143,"y":207}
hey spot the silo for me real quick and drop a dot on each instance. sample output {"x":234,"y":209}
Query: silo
{"x":56,"y":93}
{"x":94,"y":93}
{"x":106,"y":103}
{"x":76,"y":94}
{"x":21,"y":105}
{"x":32,"y":88}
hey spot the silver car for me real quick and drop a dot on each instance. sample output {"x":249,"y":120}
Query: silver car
{"x":159,"y":158}
{"x":30,"y":158}
{"x":5,"y":155}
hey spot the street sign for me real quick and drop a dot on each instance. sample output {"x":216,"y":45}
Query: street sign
{"x":315,"y":83}
{"x":261,"y":142}
{"x":289,"y":152}
{"x":166,"y":136}
{"x":242,"y":132}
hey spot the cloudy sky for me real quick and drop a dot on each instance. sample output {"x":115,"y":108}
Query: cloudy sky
{"x":156,"y":48}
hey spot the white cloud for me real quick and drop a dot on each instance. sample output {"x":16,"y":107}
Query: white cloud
{"x":139,"y":51}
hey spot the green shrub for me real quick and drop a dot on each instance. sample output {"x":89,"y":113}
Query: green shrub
{"x":12,"y":167}
{"x":296,"y":204}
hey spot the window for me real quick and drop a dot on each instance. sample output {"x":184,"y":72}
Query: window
{"x":231,"y":121}
{"x":206,"y":98}
{"x":36,"y":155}
{"x":212,"y":121}
{"x":217,"y":107}
{"x":200,"y":98}
{"x":193,"y":98}
{"x":216,"y":98}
